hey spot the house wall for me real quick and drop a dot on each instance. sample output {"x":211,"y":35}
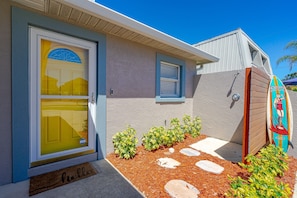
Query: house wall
{"x":221,"y":116}
{"x":5,"y":93}
{"x":131,"y":74}
{"x":130,"y":69}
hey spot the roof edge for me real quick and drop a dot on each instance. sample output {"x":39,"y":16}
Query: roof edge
{"x":239,"y":30}
{"x":136,"y":26}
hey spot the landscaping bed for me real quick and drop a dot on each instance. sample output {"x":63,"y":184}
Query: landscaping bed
{"x":150,"y":178}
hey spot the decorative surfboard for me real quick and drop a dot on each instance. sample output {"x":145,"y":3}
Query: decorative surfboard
{"x":279,"y":115}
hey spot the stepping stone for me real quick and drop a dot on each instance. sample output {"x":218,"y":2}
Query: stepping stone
{"x":179,"y":189}
{"x":210,"y":166}
{"x":167,"y":162}
{"x":189,"y":152}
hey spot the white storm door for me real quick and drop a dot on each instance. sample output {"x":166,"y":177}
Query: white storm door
{"x":62,"y":95}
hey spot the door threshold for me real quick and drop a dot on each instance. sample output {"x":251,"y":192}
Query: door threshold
{"x":61,"y":164}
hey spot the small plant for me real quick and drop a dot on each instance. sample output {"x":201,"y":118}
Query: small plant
{"x":160,"y":137}
{"x":125,"y":143}
{"x":153,"y":139}
{"x":174,"y":134}
{"x":270,"y":162}
{"x":191,"y":126}
{"x":271,"y":159}
{"x":176,"y":131}
{"x":258,"y":186}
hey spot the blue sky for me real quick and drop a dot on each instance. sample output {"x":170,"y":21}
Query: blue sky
{"x":271,"y":24}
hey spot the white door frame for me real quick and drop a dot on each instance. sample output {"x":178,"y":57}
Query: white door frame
{"x":35,"y":36}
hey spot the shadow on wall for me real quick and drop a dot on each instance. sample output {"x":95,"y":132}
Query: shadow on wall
{"x":236,"y":96}
{"x":237,"y":135}
{"x":196,"y":80}
{"x":231,"y":88}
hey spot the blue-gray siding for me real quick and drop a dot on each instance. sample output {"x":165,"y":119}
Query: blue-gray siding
{"x":5,"y":94}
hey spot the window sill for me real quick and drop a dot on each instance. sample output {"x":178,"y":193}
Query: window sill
{"x":170,"y":100}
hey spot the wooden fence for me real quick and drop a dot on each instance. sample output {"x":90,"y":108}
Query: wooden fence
{"x":255,"y":111}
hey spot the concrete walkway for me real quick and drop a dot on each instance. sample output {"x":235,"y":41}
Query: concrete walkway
{"x":219,"y":148}
{"x":107,"y":183}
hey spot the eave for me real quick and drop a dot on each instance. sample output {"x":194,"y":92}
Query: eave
{"x":102,"y":19}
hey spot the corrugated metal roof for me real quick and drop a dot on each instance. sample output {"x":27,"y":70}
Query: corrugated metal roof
{"x":102,"y":19}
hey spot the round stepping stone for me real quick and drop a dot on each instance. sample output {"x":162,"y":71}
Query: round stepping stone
{"x":179,"y":189}
{"x":167,"y":162}
{"x":210,"y":166}
{"x":189,"y":152}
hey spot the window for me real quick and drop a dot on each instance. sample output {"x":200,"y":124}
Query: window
{"x":253,"y":52}
{"x":170,"y":79}
{"x":264,"y":60}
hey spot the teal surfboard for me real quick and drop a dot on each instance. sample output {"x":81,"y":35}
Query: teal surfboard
{"x":279,"y":114}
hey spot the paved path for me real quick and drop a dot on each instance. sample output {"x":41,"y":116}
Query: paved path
{"x":107,"y":183}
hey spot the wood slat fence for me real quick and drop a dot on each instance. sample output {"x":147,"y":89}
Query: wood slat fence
{"x":255,"y":111}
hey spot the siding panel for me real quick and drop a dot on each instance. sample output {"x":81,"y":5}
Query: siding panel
{"x":227,"y":50}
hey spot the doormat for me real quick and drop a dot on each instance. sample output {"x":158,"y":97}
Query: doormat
{"x":60,"y":177}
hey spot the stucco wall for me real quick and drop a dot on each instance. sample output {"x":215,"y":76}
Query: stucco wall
{"x":141,"y":114}
{"x":221,"y":117}
{"x":5,"y":92}
{"x":131,"y":74}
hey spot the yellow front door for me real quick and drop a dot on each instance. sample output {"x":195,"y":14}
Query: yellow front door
{"x":65,"y":95}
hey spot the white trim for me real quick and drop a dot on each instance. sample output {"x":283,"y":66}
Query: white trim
{"x":35,"y":36}
{"x":94,"y":9}
{"x":119,"y":19}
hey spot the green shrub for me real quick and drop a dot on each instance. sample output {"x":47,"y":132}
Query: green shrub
{"x":174,"y":134}
{"x":125,"y":143}
{"x":153,"y":139}
{"x":160,"y":137}
{"x":271,"y":159}
{"x":258,"y":186}
{"x":191,"y":126}
{"x":269,"y":163}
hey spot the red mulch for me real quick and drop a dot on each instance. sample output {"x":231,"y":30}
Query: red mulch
{"x":150,"y":178}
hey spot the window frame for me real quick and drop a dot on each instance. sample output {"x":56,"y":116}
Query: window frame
{"x":181,"y":78}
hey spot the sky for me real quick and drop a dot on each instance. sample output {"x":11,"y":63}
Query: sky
{"x":270,"y":24}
